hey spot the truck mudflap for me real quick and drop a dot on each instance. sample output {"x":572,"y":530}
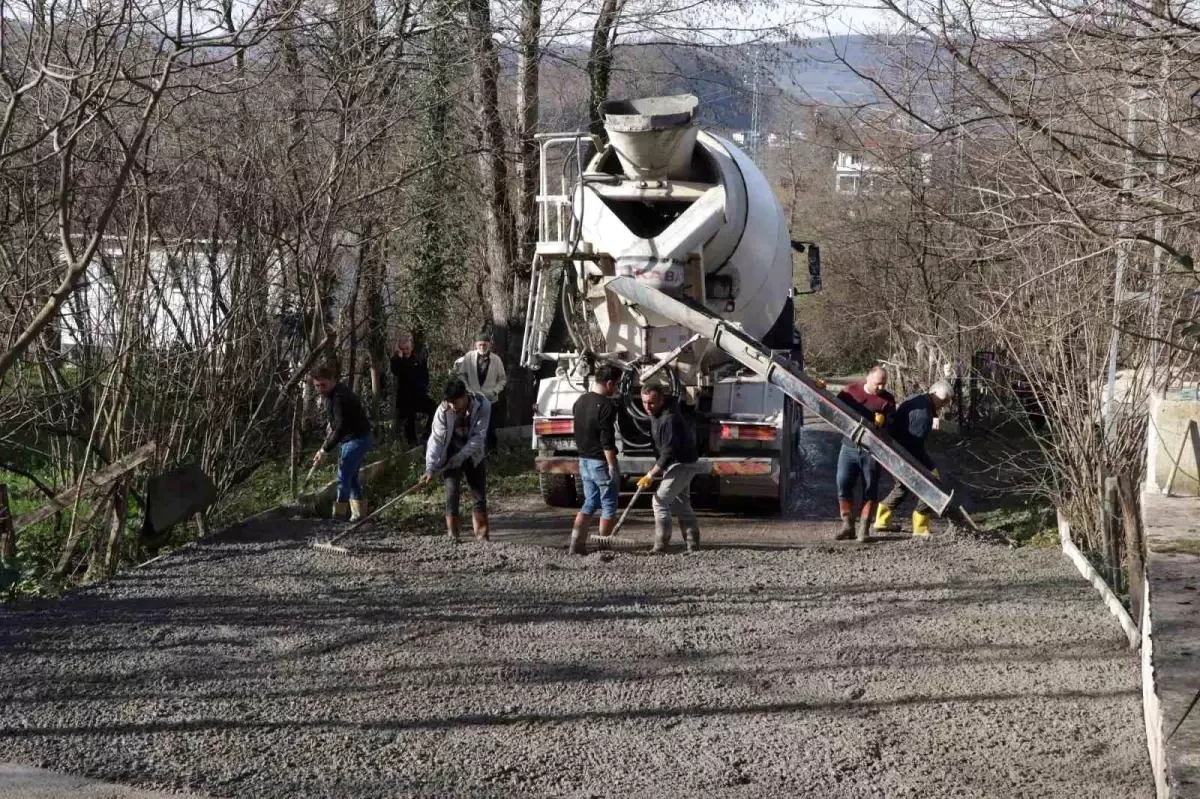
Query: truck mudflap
{"x":717,"y":467}
{"x":793,"y":382}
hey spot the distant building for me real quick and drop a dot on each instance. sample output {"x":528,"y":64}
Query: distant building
{"x":184,"y":290}
{"x":853,"y":173}
{"x":745,"y":138}
{"x":857,"y":172}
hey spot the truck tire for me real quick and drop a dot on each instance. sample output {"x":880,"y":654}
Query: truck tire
{"x":558,"y":490}
{"x":706,"y":493}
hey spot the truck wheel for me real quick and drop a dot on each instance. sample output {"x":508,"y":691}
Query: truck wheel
{"x":783,"y":502}
{"x":558,"y":490}
{"x":706,"y":493}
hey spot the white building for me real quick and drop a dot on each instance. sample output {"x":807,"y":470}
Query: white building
{"x":857,"y":172}
{"x":179,"y":294}
{"x":853,"y":173}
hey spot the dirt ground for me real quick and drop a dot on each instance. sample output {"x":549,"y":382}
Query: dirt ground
{"x":773,"y":663}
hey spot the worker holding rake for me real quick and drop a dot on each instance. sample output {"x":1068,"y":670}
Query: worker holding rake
{"x":458,"y":449}
{"x":349,"y":432}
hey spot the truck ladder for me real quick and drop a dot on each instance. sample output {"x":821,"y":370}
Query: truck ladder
{"x":795,"y":383}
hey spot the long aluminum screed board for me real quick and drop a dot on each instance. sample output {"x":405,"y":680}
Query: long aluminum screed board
{"x":793,"y":382}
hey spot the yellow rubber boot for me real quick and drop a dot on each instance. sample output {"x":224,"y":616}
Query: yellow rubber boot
{"x":920,"y":525}
{"x":883,"y":519}
{"x":340,"y":509}
{"x":358,"y":509}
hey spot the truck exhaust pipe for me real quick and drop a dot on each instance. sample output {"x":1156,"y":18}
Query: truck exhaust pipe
{"x":652,"y":136}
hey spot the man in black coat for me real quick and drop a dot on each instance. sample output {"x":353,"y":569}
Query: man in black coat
{"x":412,"y":389}
{"x":675,"y":442}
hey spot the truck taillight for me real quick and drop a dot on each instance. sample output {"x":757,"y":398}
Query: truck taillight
{"x":554,"y":427}
{"x":748,"y":432}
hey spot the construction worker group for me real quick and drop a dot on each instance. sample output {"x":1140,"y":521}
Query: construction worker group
{"x":460,"y":432}
{"x":909,"y":424}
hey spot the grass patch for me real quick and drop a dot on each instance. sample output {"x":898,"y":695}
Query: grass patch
{"x":510,"y":472}
{"x":1028,"y":521}
{"x":39,"y":546}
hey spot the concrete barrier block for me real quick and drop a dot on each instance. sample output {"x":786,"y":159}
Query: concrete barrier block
{"x":1167,"y":435}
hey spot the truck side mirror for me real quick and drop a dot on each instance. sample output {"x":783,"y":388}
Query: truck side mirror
{"x":814,"y":267}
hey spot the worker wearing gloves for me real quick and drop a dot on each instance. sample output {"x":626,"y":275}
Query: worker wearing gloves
{"x":456,"y":446}
{"x":412,"y":388}
{"x":875,"y":403}
{"x":596,"y":438}
{"x":910,"y":426}
{"x":350,"y":430}
{"x":483,"y":372}
{"x":675,"y":443}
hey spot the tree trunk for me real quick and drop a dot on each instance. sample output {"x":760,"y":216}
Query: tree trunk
{"x":8,"y":536}
{"x":371,"y":263}
{"x":499,"y":227}
{"x":600,"y":61}
{"x":107,"y":554}
{"x":528,"y":64}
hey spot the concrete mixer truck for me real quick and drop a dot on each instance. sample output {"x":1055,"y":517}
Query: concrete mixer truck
{"x":666,"y":253}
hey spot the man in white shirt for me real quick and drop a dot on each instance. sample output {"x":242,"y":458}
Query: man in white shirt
{"x":483,"y":372}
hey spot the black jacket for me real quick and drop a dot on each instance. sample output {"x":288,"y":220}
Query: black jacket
{"x":347,"y":418}
{"x":674,"y":437}
{"x":911,"y":426}
{"x":412,"y":380}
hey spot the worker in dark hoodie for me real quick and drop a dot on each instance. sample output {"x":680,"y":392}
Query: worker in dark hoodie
{"x":675,"y":443}
{"x":349,"y":431}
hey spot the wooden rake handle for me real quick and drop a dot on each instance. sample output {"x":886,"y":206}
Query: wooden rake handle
{"x":629,"y":507}
{"x":410,"y":490}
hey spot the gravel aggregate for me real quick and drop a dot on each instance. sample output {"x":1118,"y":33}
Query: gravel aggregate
{"x":254,"y":666}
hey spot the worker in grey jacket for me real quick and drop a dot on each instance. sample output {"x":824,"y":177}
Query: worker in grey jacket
{"x":675,"y":443}
{"x":457,"y":445}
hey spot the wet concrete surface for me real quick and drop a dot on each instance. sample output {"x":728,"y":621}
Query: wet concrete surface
{"x":773,"y":664}
{"x":810,"y":520}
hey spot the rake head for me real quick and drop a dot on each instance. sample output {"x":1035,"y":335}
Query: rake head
{"x":329,"y":546}
{"x":612,"y":542}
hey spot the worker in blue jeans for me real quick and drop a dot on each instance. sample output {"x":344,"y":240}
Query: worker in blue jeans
{"x":875,"y":403}
{"x":596,"y":440}
{"x":350,"y":431}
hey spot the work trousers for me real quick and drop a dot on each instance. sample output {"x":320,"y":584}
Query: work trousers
{"x":899,"y":494}
{"x":497,"y":413}
{"x":350,"y":460}
{"x":674,"y":497}
{"x":406,"y":418}
{"x":854,"y":464}
{"x":476,"y":478}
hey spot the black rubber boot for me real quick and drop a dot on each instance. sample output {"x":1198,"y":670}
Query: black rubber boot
{"x":847,"y":531}
{"x":692,"y":539}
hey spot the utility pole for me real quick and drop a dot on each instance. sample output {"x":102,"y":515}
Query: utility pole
{"x":755,"y":114}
